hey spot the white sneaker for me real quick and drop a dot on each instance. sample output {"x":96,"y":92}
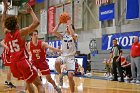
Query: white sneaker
{"x":137,"y":82}
{"x":110,"y":77}
{"x":58,"y":89}
{"x":133,"y":81}
{"x":105,"y":75}
{"x":126,"y":78}
{"x":61,"y":80}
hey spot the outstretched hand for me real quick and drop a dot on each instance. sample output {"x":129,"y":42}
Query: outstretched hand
{"x":28,"y":8}
{"x":69,"y":22}
{"x":5,"y":2}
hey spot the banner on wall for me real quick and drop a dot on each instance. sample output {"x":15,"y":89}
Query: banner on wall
{"x":39,"y":1}
{"x":43,"y":21}
{"x":31,"y":2}
{"x":132,"y":10}
{"x":55,"y":43}
{"x":81,"y":60}
{"x":78,"y":14}
{"x":106,"y":12}
{"x":51,"y":19}
{"x":125,"y":40}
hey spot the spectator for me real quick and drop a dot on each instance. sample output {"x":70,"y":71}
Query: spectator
{"x":126,"y":66}
{"x":79,"y":70}
{"x":108,"y":67}
{"x":116,"y":53}
{"x":135,"y":61}
{"x":88,"y":65}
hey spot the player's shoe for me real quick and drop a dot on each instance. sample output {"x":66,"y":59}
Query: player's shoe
{"x":9,"y":84}
{"x":61,"y":80}
{"x":58,"y":89}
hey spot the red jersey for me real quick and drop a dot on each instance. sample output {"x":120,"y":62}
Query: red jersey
{"x":6,"y":57}
{"x":16,"y":44}
{"x":122,"y":59}
{"x":135,"y":49}
{"x":38,"y":53}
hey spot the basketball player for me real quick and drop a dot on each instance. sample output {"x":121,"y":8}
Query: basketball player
{"x":37,"y":50}
{"x":6,"y":61}
{"x":20,"y":67}
{"x":68,"y":51}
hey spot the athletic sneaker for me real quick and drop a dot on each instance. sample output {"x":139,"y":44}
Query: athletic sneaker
{"x":58,"y":89}
{"x":10,"y":85}
{"x":126,"y":78}
{"x":6,"y":82}
{"x":40,"y":78}
{"x":61,"y":80}
{"x":133,"y":81}
{"x":137,"y":82}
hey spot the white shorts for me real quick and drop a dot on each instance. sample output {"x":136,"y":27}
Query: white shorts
{"x":69,"y":61}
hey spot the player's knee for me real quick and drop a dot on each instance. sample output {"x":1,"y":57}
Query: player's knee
{"x":42,"y":90}
{"x":58,"y":62}
{"x":70,"y":76}
{"x":50,"y":80}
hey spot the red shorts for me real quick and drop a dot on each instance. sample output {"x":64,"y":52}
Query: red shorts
{"x":24,"y":70}
{"x":42,"y":66}
{"x":5,"y":59}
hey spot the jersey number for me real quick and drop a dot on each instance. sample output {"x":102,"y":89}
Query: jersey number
{"x":68,"y":45}
{"x":14,"y":47}
{"x":37,"y":56}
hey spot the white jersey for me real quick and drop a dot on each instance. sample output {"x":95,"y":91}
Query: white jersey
{"x":68,"y":45}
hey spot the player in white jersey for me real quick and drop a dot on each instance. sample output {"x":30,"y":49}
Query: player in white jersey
{"x":68,"y":52}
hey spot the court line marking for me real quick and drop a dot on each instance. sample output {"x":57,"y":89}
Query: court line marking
{"x":130,"y":90}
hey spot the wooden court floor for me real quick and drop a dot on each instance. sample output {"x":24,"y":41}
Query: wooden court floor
{"x":83,"y":85}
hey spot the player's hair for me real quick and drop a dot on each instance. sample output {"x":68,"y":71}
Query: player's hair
{"x":11,"y":23}
{"x":73,"y":27}
{"x":31,"y":34}
{"x":115,"y":39}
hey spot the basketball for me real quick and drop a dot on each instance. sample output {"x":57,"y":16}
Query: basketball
{"x":64,"y":17}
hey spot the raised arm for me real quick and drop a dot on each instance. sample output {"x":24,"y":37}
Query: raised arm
{"x":4,"y":15}
{"x":33,"y":26}
{"x":70,"y":28}
{"x":55,"y":31}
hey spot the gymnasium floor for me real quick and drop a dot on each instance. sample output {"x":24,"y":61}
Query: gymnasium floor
{"x":83,"y":85}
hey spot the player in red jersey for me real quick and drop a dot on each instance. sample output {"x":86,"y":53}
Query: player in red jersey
{"x":20,"y":67}
{"x":6,"y":61}
{"x":37,"y":49}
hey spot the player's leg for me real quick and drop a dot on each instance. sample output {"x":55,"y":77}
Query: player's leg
{"x":59,"y":61}
{"x":29,"y":87}
{"x":8,"y":81}
{"x":8,"y":74}
{"x":58,"y":64}
{"x":44,"y":69}
{"x":38,"y":84}
{"x":71,"y":68}
{"x":50,"y":80}
{"x":71,"y":81}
